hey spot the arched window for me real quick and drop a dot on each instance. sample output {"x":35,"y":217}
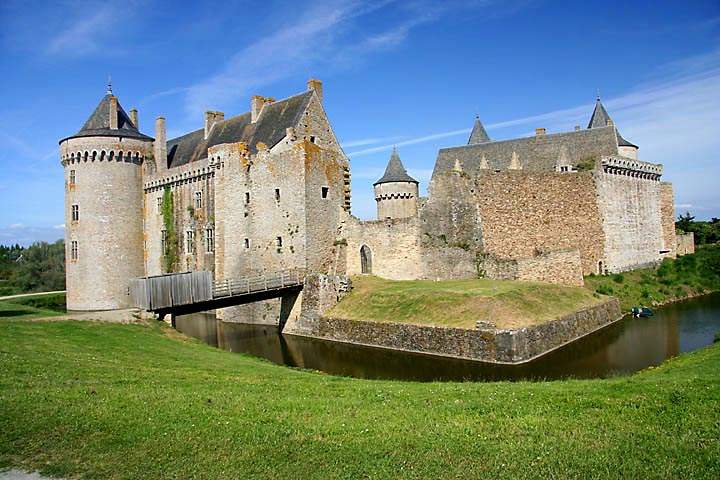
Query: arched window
{"x":102,"y":155}
{"x":86,"y":155}
{"x":365,"y":260}
{"x":111,"y":156}
{"x":94,"y":155}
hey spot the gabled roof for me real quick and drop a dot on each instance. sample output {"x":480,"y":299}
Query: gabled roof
{"x":98,"y":124}
{"x":395,"y":171}
{"x":478,"y":134}
{"x":269,"y":129}
{"x":601,"y":118}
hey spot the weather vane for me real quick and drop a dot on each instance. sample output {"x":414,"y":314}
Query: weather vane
{"x":109,"y":85}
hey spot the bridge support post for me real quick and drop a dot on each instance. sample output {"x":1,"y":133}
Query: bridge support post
{"x":290,"y":306}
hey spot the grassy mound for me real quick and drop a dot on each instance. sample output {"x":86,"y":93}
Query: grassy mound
{"x":460,"y":303}
{"x":674,"y":279}
{"x":133,"y":401}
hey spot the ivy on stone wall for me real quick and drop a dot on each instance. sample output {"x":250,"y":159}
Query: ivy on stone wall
{"x":170,"y":255}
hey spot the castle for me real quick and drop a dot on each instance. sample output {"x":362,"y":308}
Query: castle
{"x":269,"y":190}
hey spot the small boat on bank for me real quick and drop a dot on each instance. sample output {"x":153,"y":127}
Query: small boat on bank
{"x":641,"y":312}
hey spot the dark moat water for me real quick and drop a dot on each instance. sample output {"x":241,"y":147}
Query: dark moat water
{"x":624,"y":347}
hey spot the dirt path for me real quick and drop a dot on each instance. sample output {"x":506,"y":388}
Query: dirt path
{"x":21,"y":295}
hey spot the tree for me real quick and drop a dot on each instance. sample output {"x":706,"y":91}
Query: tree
{"x":684,"y":222}
{"x":41,"y":268}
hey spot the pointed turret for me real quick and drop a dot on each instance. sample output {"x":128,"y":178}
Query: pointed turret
{"x":396,"y":193}
{"x":110,"y":119}
{"x":478,"y":134}
{"x":601,"y":118}
{"x":395,"y":171}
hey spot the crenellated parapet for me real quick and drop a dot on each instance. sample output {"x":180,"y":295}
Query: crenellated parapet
{"x":617,"y":165}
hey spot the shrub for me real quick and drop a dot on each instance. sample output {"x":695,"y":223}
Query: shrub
{"x":618,"y":278}
{"x":604,"y":290}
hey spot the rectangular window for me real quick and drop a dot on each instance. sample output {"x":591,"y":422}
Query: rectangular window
{"x":189,"y":241}
{"x":325,"y":191}
{"x":74,"y":250}
{"x":163,"y":241}
{"x":278,"y":241}
{"x":247,"y":198}
{"x":247,"y":243}
{"x":159,"y":204}
{"x":198,"y":199}
{"x":72,"y":177}
{"x":75,"y":213}
{"x":277,"y":194}
{"x":209,"y":240}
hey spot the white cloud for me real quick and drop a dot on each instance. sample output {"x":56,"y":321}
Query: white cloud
{"x":321,"y":38}
{"x":16,"y":226}
{"x":59,"y":227}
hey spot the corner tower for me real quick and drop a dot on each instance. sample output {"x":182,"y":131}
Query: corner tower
{"x":396,"y":193}
{"x":104,"y":207}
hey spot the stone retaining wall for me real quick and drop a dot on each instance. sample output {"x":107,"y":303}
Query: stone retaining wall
{"x":489,"y":345}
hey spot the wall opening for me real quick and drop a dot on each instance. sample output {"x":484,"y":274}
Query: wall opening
{"x":324,"y":191}
{"x":365,"y":259}
{"x":600,"y":267}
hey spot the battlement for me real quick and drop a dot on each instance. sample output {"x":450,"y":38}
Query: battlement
{"x":618,"y":165}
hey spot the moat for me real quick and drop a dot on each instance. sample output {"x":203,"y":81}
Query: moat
{"x":626,"y":346}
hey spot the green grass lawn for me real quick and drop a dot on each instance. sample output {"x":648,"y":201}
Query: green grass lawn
{"x":35,"y":306}
{"x":140,"y":401}
{"x":673,"y":279}
{"x":460,"y":303}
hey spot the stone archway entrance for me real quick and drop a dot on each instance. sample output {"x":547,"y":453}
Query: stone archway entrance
{"x":365,"y":260}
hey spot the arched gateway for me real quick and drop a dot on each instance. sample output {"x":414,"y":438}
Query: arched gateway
{"x":365,"y":259}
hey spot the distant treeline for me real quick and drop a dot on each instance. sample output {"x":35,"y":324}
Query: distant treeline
{"x":705,"y":231}
{"x":37,"y":268}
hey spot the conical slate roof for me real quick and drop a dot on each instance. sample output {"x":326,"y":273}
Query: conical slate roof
{"x":478,"y":134}
{"x":98,"y":124}
{"x":601,"y":118}
{"x":395,"y":171}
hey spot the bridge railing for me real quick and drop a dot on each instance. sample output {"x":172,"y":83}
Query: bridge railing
{"x":258,"y":283}
{"x":164,"y":291}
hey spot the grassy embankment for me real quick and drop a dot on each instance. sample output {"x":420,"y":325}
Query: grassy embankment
{"x":460,"y":303}
{"x":35,"y":306}
{"x":139,"y":401}
{"x":683,"y":277}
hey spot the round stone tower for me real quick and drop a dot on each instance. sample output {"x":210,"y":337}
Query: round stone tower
{"x":396,"y":193}
{"x":104,"y":245}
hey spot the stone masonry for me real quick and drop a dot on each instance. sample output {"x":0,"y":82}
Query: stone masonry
{"x":269,"y":190}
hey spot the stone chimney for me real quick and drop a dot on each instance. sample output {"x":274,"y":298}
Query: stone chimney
{"x":160,"y":144}
{"x":134,"y":118}
{"x":113,"y":113}
{"x":316,"y":85}
{"x":211,"y":118}
{"x":256,"y":105}
{"x":539,"y":131}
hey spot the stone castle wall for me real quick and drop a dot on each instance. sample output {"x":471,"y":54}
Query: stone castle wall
{"x":667,"y":219}
{"x":523,"y":214}
{"x":631,"y":221}
{"x":394,"y":245}
{"x":685,"y":243}
{"x":109,"y":230}
{"x":184,"y":182}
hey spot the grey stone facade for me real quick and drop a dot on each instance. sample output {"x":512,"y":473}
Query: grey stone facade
{"x":269,"y":190}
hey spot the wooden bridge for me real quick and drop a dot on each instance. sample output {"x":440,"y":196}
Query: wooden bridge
{"x":191,"y":292}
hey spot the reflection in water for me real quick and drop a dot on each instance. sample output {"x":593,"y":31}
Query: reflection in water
{"x":626,"y":346}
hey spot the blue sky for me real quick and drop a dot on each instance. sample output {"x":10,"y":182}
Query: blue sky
{"x":411,"y":73}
